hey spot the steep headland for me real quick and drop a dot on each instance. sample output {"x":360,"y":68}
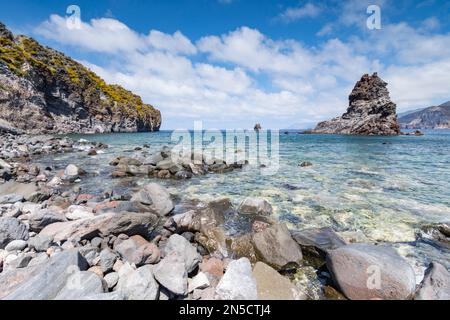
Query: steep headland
{"x":429,"y":118}
{"x":44,"y":91}
{"x":370,"y":111}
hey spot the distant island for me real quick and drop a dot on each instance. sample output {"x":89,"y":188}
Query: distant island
{"x":44,"y":91}
{"x":436,"y":117}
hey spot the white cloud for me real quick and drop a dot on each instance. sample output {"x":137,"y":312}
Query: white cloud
{"x":245,"y":76}
{"x":309,"y":10}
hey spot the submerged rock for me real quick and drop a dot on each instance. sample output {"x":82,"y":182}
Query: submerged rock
{"x":276,"y":247}
{"x":367,"y":272}
{"x":255,"y":206}
{"x":370,"y":112}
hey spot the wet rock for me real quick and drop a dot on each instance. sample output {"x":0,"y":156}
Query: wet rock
{"x":305,"y":164}
{"x":181,"y":247}
{"x":73,"y":172}
{"x":316,"y":242}
{"x":364,"y":272}
{"x":16,"y":245}
{"x":212,"y":266}
{"x":273,"y":286}
{"x":255,"y":206}
{"x":137,"y":250}
{"x":435,"y":285}
{"x":155,"y":199}
{"x":46,"y":280}
{"x":238,"y":282}
{"x":436,"y":233}
{"x":276,"y":247}
{"x":11,"y":229}
{"x":242,"y":246}
{"x":80,"y":284}
{"x":171,"y":273}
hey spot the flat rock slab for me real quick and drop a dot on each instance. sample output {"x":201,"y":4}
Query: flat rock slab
{"x":23,"y":189}
{"x":366,"y":272}
{"x":47,"y":279}
{"x":320,"y":239}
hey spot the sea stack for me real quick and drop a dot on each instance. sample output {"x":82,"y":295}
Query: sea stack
{"x":370,"y":111}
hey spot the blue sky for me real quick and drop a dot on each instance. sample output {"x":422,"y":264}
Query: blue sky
{"x":231,"y":63}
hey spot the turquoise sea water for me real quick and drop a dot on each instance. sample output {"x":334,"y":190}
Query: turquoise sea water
{"x":382,"y":188}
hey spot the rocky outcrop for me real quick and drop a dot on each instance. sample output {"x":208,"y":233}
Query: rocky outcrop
{"x":42,"y":90}
{"x":429,"y":118}
{"x":370,"y":112}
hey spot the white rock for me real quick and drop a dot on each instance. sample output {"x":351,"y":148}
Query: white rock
{"x":200,"y":281}
{"x":238,"y":282}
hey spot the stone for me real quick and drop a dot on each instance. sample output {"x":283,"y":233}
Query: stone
{"x":255,"y":206}
{"x":155,"y":198}
{"x":238,"y":282}
{"x":305,"y":164}
{"x":276,"y":247}
{"x":179,"y":245}
{"x":11,"y":229}
{"x":73,"y":171}
{"x":46,"y":280}
{"x":212,"y":266}
{"x":40,"y":243}
{"x":370,"y":111}
{"x":42,"y":218}
{"x":171,"y":273}
{"x":200,"y":281}
{"x":318,"y":241}
{"x":111,"y":279}
{"x":11,"y":198}
{"x":273,"y":286}
{"x":16,"y":245}
{"x":137,"y":250}
{"x":81,"y":284}
{"x":97,"y":270}
{"x":78,"y":212}
{"x":137,"y":284}
{"x":435,"y":285}
{"x":104,"y":225}
{"x":366,"y":272}
{"x":21,"y":261}
{"x":106,"y":258}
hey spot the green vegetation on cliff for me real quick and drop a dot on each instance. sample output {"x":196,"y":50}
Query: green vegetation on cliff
{"x":26,"y":58}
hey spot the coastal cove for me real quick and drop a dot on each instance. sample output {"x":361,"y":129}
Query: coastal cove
{"x":368,"y":188}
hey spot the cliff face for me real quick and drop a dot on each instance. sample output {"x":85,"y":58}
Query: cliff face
{"x":370,"y":112}
{"x":429,"y":118}
{"x":44,"y":91}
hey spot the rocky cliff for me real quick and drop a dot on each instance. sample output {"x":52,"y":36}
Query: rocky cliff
{"x":370,"y":112}
{"x":429,"y":118}
{"x":44,"y":91}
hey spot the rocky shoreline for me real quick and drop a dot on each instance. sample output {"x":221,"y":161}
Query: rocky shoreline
{"x":58,"y":243}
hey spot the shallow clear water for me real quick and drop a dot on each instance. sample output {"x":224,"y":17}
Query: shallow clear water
{"x":382,"y":187}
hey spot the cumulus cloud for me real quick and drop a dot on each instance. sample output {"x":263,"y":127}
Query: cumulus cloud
{"x":243,"y":76}
{"x":309,"y":10}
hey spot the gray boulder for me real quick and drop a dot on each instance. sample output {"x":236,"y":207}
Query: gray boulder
{"x":11,"y":229}
{"x":154,"y":198}
{"x":49,"y":278}
{"x":16,"y":245}
{"x":255,"y":206}
{"x":238,"y":282}
{"x":11,"y":198}
{"x":138,"y":251}
{"x":183,"y":249}
{"x":42,"y":218}
{"x":276,"y":247}
{"x":81,"y":284}
{"x":137,"y":284}
{"x":40,"y":243}
{"x":365,"y":272}
{"x":106,"y":259}
{"x":435,"y":285}
{"x":171,"y":273}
